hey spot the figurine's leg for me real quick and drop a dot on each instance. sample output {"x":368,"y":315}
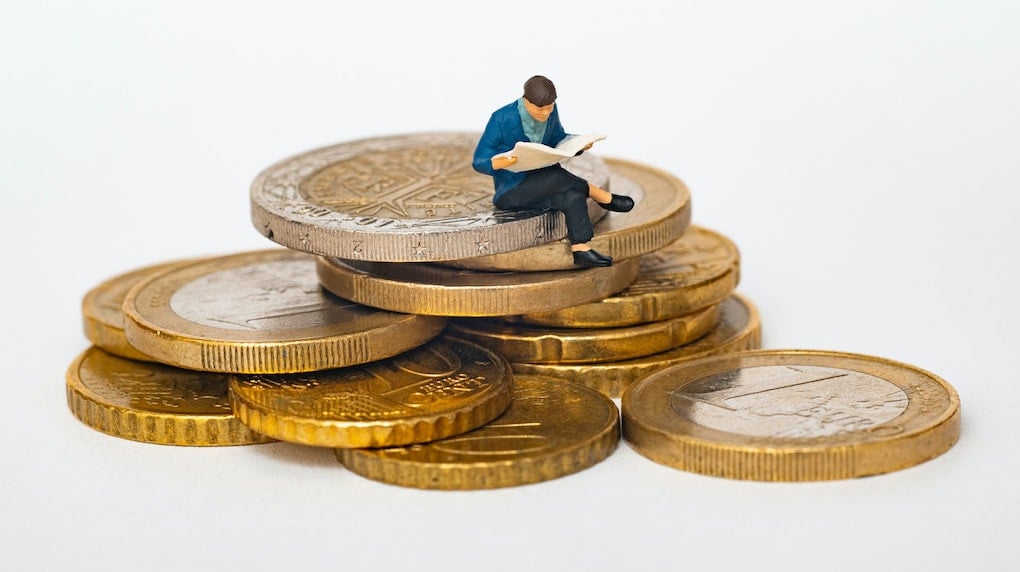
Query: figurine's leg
{"x":609,"y":201}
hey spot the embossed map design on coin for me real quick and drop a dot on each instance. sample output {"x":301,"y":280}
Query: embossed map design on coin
{"x":445,"y":387}
{"x":791,"y":415}
{"x":151,"y":402}
{"x":551,"y":429}
{"x":407,"y":198}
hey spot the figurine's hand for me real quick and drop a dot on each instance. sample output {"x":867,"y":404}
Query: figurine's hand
{"x":503,"y":162}
{"x":588,"y":146}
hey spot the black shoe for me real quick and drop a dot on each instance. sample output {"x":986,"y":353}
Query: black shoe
{"x":619,"y":204}
{"x":591,"y":259}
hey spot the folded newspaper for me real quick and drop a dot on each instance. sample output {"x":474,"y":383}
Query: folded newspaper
{"x":531,"y":156}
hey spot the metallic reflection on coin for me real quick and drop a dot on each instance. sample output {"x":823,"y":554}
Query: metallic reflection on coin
{"x":103,"y":314}
{"x":443,"y":388}
{"x":551,"y":429}
{"x":261,"y":312}
{"x":153,"y":403}
{"x":534,"y":344}
{"x":661,"y":214}
{"x":406,"y":198}
{"x":434,"y":290}
{"x":791,"y":415}
{"x":738,"y":328}
{"x":698,"y":270}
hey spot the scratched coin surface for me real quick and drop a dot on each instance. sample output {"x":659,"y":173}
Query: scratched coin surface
{"x":661,"y":214}
{"x":738,"y":328}
{"x":103,"y":314}
{"x":406,"y":198}
{"x":537,"y":344}
{"x":435,"y":290}
{"x":261,"y":312}
{"x":698,"y":270}
{"x":446,"y":387}
{"x":551,"y":429}
{"x":791,"y":415}
{"x":154,"y":403}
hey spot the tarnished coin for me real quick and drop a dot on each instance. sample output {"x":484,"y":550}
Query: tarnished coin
{"x":551,"y":429}
{"x":103,"y":314}
{"x":434,"y":290}
{"x":698,"y":270}
{"x":791,"y":415}
{"x":261,"y":312}
{"x":535,"y":344}
{"x":738,"y":328}
{"x":443,"y":388}
{"x":153,"y":403}
{"x":407,"y":198}
{"x":661,"y":213}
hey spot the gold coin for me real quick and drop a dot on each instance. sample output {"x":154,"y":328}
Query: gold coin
{"x":551,"y":429}
{"x":698,"y":270}
{"x":403,"y":198}
{"x":738,"y":328}
{"x":531,"y":344}
{"x":154,"y":403}
{"x":261,"y":312}
{"x":791,"y":415}
{"x":443,"y":388}
{"x":434,"y":290}
{"x":661,"y":213}
{"x":103,"y":314}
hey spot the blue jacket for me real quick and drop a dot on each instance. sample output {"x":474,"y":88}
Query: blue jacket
{"x":502,"y":132}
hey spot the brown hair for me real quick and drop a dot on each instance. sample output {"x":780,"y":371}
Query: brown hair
{"x":539,"y":90}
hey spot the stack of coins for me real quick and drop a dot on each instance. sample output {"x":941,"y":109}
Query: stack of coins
{"x":431,"y":340}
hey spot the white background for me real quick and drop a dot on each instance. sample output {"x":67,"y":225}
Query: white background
{"x":864,"y":157}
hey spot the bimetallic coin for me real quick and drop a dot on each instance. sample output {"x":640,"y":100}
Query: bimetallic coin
{"x":434,"y":290}
{"x":443,"y":388}
{"x":407,"y":198}
{"x":661,"y":214}
{"x":261,"y":312}
{"x":791,"y":415}
{"x":531,"y":344}
{"x":551,"y":429}
{"x":103,"y":314}
{"x":698,"y":270}
{"x":153,"y":403}
{"x":738,"y":328}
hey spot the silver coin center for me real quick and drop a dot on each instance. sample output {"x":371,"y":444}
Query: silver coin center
{"x":798,"y":402}
{"x":277,"y":295}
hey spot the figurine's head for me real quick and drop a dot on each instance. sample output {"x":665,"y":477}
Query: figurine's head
{"x":539,"y":97}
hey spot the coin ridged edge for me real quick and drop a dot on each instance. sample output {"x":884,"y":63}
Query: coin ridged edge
{"x":612,"y":378}
{"x":453,"y":301}
{"x":351,"y":434}
{"x":798,"y":464}
{"x":110,"y":338}
{"x":455,"y":476}
{"x":152,"y":427}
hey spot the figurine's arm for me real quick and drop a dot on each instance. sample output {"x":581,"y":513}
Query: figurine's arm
{"x":490,"y":145}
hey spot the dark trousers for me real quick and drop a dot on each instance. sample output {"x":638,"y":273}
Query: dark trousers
{"x":553,"y":187}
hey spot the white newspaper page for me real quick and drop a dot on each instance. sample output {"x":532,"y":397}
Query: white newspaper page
{"x":531,"y":156}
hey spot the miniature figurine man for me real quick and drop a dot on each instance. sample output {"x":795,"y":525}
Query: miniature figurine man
{"x":534,"y":118}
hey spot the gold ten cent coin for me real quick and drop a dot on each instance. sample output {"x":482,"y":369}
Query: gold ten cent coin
{"x":738,"y":328}
{"x":261,"y":312}
{"x":551,"y":429}
{"x":154,"y":403}
{"x":535,"y":344}
{"x":446,"y":387}
{"x":698,"y":270}
{"x":791,"y":415}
